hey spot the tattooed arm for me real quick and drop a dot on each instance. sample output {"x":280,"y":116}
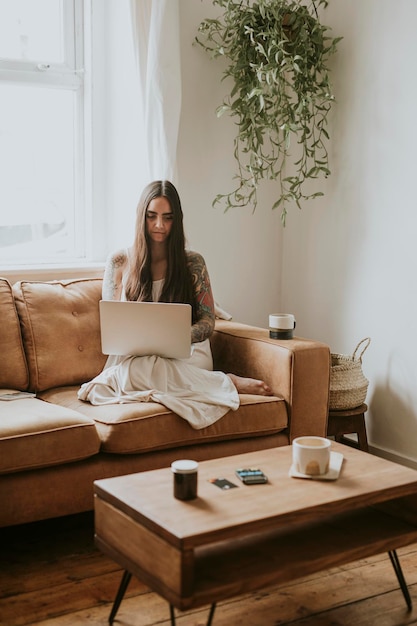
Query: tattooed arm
{"x":113,"y":273}
{"x":204,"y":325}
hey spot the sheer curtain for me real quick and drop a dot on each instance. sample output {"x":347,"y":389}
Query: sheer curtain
{"x":157,"y":45}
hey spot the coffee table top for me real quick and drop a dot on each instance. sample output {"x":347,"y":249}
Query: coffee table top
{"x":222,"y":514}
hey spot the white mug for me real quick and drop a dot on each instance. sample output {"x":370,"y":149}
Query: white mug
{"x":311,"y":455}
{"x":281,"y":325}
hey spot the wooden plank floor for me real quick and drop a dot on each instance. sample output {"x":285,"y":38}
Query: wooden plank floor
{"x":51,"y":574}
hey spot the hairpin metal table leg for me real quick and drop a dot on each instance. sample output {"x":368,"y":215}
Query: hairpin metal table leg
{"x":120,"y":593}
{"x":400,"y":576}
{"x":211,"y":614}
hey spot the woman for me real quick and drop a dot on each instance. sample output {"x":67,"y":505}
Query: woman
{"x":158,"y":268}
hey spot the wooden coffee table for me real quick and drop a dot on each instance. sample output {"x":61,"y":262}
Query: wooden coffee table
{"x":227,"y":543}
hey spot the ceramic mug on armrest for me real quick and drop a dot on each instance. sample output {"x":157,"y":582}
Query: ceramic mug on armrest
{"x":281,"y":325}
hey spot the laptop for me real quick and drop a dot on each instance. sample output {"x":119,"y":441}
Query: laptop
{"x":145,"y":328}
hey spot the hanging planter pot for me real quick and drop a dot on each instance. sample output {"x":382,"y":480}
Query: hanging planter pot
{"x":277,"y":54}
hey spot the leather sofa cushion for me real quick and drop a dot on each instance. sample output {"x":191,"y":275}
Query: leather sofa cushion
{"x":145,"y":426}
{"x":36,"y":434}
{"x":13,"y":367}
{"x":61,"y":330}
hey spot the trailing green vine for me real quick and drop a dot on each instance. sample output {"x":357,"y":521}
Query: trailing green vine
{"x":277,"y":53}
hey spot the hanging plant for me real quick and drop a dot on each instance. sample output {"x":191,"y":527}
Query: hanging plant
{"x":277,"y":53}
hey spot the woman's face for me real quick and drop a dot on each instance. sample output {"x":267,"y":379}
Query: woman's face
{"x":159,"y":218}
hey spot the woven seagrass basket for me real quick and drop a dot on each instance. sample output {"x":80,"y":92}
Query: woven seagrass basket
{"x":348,"y":385}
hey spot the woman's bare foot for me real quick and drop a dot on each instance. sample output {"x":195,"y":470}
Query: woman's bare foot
{"x":250,"y":385}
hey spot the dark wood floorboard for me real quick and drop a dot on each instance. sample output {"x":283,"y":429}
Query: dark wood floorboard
{"x":51,"y":574}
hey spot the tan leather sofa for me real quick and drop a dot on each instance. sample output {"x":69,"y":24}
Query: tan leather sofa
{"x":53,"y":446}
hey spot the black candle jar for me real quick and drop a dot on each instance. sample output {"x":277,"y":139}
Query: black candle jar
{"x":185,"y":474}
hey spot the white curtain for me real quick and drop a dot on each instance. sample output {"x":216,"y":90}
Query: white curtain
{"x":157,"y":42}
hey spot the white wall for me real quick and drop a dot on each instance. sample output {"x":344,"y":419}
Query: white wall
{"x":242,"y":249}
{"x":350,"y":259}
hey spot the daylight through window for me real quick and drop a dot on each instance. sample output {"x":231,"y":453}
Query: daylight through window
{"x":42,"y":147}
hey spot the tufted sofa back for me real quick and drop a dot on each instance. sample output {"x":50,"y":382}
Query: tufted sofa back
{"x":13,"y":367}
{"x":61,"y":331}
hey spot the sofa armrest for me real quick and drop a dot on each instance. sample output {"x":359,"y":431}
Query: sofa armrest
{"x":296,"y":369}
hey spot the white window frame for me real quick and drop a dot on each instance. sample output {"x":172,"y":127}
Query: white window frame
{"x":41,"y":71}
{"x":71,"y":74}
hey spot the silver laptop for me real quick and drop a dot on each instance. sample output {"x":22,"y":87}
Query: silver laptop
{"x":145,"y":328}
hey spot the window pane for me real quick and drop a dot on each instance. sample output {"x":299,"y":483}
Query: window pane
{"x":37,"y":161}
{"x":32,"y":30}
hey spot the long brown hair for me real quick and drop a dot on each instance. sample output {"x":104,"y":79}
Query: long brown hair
{"x":178,"y":284}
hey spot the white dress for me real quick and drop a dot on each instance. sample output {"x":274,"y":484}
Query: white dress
{"x":189,"y":387}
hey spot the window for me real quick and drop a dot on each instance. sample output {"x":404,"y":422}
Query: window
{"x":43,"y":206}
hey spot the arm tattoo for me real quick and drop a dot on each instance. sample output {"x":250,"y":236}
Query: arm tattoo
{"x":112,"y":280}
{"x":204,"y":325}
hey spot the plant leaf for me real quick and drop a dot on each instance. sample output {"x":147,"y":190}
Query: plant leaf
{"x":275,"y":56}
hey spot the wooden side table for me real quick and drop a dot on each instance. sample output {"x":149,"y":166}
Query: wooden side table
{"x":346,"y":422}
